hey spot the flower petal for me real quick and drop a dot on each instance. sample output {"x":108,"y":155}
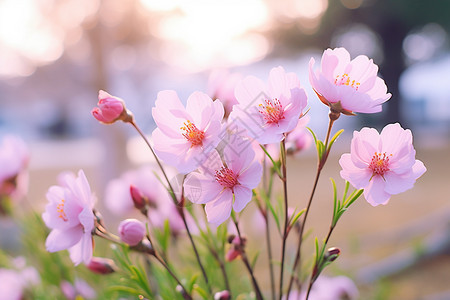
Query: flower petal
{"x":220,"y":210}
{"x":242,"y":196}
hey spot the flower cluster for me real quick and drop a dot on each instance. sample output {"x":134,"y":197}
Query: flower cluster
{"x":223,"y":145}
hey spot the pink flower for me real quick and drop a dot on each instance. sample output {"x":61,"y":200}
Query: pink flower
{"x":14,"y":157}
{"x":225,"y":185}
{"x":328,"y":288}
{"x":269,"y":111}
{"x":131,"y":231}
{"x":79,"y":288}
{"x":354,"y":84}
{"x":382,"y":164}
{"x":110,"y":109}
{"x":183,"y":134}
{"x":11,"y":285}
{"x":69,"y":215}
{"x":221,"y":85}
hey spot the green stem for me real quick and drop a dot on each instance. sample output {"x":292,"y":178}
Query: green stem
{"x":286,"y":220}
{"x":320,"y":165}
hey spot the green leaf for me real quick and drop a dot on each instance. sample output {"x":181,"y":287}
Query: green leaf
{"x":201,"y":292}
{"x":333,"y":139}
{"x":124,"y":289}
{"x":275,"y":165}
{"x":255,"y":258}
{"x":319,"y":144}
{"x":295,"y":217}
{"x":272,"y":210}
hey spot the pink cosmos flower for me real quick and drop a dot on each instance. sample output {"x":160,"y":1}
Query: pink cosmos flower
{"x":354,"y":84}
{"x":225,"y":185}
{"x":161,"y":207}
{"x":69,"y":215}
{"x":381,"y":164}
{"x":221,"y":85}
{"x":110,"y":109}
{"x":14,"y":157}
{"x":269,"y":111}
{"x":183,"y":134}
{"x":328,"y":288}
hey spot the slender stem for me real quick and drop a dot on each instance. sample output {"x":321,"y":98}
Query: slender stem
{"x":286,"y":221}
{"x":161,"y":261}
{"x":197,"y":256}
{"x":247,"y":264}
{"x":222,"y":268}
{"x":180,"y":205}
{"x":172,"y":191}
{"x":320,"y":165}
{"x":269,"y":254}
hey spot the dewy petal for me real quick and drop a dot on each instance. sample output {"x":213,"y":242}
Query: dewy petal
{"x":242,"y":196}
{"x":59,"y":240}
{"x":375,"y":192}
{"x":220,"y":210}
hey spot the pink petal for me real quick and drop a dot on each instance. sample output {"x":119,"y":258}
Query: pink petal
{"x":278,"y":84}
{"x":59,"y":240}
{"x":251,"y":91}
{"x":251,"y":176}
{"x":358,"y":177}
{"x":201,"y":189}
{"x":82,"y":252}
{"x":242,"y":196}
{"x":220,"y":210}
{"x":375,"y":192}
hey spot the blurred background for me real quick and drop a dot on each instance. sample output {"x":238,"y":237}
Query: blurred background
{"x":56,"y":54}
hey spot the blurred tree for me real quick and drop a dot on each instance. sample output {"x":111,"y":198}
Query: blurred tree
{"x":391,"y":20}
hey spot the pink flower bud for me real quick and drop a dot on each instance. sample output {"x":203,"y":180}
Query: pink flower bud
{"x":222,"y":295}
{"x":110,"y":109}
{"x":101,"y":265}
{"x":131,"y":231}
{"x":138,"y":197}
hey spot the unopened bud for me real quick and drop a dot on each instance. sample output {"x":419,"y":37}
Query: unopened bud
{"x":332,"y":254}
{"x":223,"y":295}
{"x":131,"y":231}
{"x":138,"y":198}
{"x":110,"y":109}
{"x":101,"y":265}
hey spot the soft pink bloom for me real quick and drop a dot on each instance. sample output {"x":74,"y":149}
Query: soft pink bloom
{"x":131,"y":231}
{"x":110,"y":109}
{"x":69,"y":215}
{"x":221,"y":85}
{"x":268,"y":111}
{"x":184,"y":134}
{"x":14,"y":282}
{"x":161,"y":207}
{"x":225,"y":185}
{"x":79,"y":288}
{"x":236,"y":248}
{"x":353,"y":83}
{"x":14,"y":157}
{"x":11,"y":285}
{"x":381,"y":164}
{"x":328,"y":288}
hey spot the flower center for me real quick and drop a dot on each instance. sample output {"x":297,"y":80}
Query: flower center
{"x":272,"y":111}
{"x":226,"y":177}
{"x":192,"y":133}
{"x":60,"y":210}
{"x":379,"y":164}
{"x":346,"y":80}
